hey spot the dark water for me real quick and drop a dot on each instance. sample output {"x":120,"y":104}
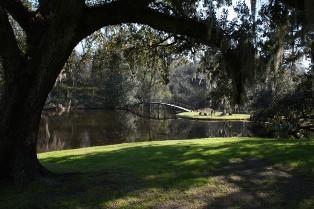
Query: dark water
{"x":92,"y":128}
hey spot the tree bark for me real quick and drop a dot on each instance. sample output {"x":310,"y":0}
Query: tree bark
{"x":18,"y":131}
{"x":23,"y":101}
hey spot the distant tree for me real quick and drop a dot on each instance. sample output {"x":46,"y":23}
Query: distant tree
{"x":111,"y":76}
{"x":189,"y":86}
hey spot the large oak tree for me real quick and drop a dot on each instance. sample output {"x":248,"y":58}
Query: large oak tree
{"x":52,"y":31}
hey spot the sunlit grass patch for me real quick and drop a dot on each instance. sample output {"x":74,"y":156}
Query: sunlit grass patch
{"x":216,"y":116}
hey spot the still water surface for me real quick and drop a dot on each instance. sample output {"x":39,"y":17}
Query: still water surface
{"x":93,"y":128}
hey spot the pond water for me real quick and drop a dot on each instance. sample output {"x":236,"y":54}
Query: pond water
{"x":93,"y":128}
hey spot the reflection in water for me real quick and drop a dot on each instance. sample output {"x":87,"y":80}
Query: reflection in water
{"x":92,"y":128}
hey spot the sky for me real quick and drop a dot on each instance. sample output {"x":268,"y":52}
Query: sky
{"x":232,"y":13}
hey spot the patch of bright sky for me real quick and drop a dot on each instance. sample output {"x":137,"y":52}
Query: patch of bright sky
{"x":232,"y":14}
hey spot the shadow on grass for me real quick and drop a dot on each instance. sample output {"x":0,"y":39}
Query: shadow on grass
{"x":244,"y":174}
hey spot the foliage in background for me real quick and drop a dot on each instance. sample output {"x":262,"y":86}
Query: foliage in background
{"x":289,"y":115}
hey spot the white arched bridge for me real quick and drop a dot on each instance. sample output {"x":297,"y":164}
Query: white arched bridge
{"x":158,"y":109}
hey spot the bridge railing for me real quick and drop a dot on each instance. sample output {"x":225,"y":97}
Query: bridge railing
{"x":133,"y":107}
{"x":171,"y":102}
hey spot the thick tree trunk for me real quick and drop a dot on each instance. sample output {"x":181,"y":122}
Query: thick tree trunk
{"x":27,"y":85}
{"x":21,"y":108}
{"x":19,"y":128}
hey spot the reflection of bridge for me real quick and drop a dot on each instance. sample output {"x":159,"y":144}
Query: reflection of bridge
{"x":158,"y":109}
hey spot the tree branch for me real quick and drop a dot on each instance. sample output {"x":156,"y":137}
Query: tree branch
{"x":111,"y":14}
{"x":138,"y":3}
{"x":209,"y":34}
{"x":9,"y":50}
{"x":19,"y":12}
{"x":117,"y":13}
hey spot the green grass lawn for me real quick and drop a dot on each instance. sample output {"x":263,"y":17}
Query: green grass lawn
{"x":238,"y":173}
{"x":216,"y":116}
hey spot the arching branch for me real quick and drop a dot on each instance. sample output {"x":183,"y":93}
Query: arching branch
{"x":209,"y":34}
{"x":138,"y":3}
{"x":117,"y":13}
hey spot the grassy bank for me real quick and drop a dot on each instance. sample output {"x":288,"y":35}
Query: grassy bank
{"x":215,"y":117}
{"x":201,"y":173}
